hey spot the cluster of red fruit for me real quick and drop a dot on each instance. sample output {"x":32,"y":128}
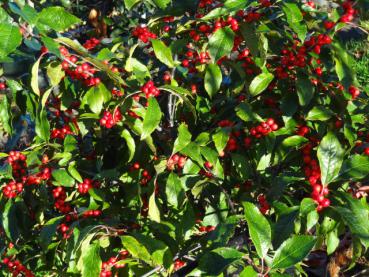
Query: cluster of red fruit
{"x":354,"y":91}
{"x":264,"y":205}
{"x":178,"y":264}
{"x":92,"y":213}
{"x":18,"y":163}
{"x":86,"y":185}
{"x":12,"y":189}
{"x":61,"y":133}
{"x":248,"y":63}
{"x":143,"y":34}
{"x":116,"y":92}
{"x":232,"y":144}
{"x":91,"y":43}
{"x":350,"y":12}
{"x":19,"y":169}
{"x":60,"y":196}
{"x":16,"y":267}
{"x":109,"y":120}
{"x":312,"y":172}
{"x":2,"y":86}
{"x":106,"y":267}
{"x":150,"y":89}
{"x":264,"y":128}
{"x":206,"y":229}
{"x":83,"y":72}
{"x":231,"y":21}
{"x":176,"y":160}
{"x":316,"y":42}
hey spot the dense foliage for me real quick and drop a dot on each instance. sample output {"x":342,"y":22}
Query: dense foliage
{"x":197,"y":138}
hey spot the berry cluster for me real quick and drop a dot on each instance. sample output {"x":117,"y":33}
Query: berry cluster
{"x":264,"y":128}
{"x":92,"y":213}
{"x":64,"y":230}
{"x":83,"y":72}
{"x":61,"y":133}
{"x":302,"y":130}
{"x":316,"y":42}
{"x":18,"y":163}
{"x":12,"y":189}
{"x":116,"y":92}
{"x":176,"y":160}
{"x":312,"y":172}
{"x":86,"y":185}
{"x":350,"y":12}
{"x":206,"y":229}
{"x":354,"y":91}
{"x":264,"y":205}
{"x":91,"y":43}
{"x":109,"y":120}
{"x":60,"y":204}
{"x":178,"y":264}
{"x":146,"y":177}
{"x":16,"y":267}
{"x":2,"y":86}
{"x":143,"y":34}
{"x":150,"y":89}
{"x":106,"y":267}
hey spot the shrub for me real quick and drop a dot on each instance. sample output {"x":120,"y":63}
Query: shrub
{"x":196,"y":139}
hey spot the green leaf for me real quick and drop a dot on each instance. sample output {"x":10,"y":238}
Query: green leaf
{"x":154,"y":212}
{"x":251,"y":38}
{"x":162,"y":4}
{"x":152,"y":118}
{"x":259,"y":229}
{"x":95,"y":99}
{"x":74,"y":172}
{"x":130,"y":143}
{"x":294,"y":141}
{"x":135,"y":248}
{"x":354,"y":213}
{"x":49,"y":230}
{"x":57,"y":18}
{"x":305,"y":90}
{"x":292,"y":251}
{"x":34,"y":77}
{"x":130,"y":3}
{"x":43,"y":126}
{"x":62,"y":177}
{"x":163,"y":52}
{"x":332,"y":241}
{"x":284,"y":227}
{"x":91,"y":261}
{"x":213,"y":79}
{"x":229,"y":7}
{"x":295,"y":19}
{"x":183,"y":139}
{"x":330,"y":155}
{"x":10,"y":38}
{"x":248,"y":272}
{"x":216,"y":261}
{"x":55,"y":73}
{"x":5,"y":115}
{"x":319,"y":113}
{"x":260,"y":83}
{"x":220,"y":139}
{"x":4,"y":17}
{"x":174,"y":190}
{"x":355,"y":168}
{"x":221,"y":43}
{"x":244,"y":111}
{"x":9,"y":220}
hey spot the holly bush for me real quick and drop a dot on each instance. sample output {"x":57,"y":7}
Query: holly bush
{"x":183,"y":138}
